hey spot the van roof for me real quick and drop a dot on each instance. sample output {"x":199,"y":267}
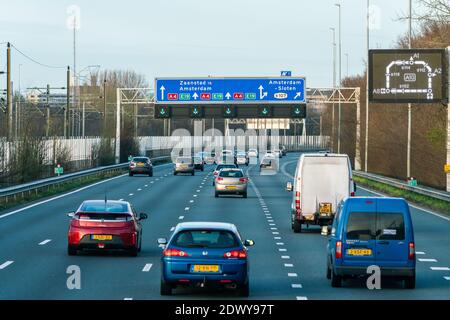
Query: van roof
{"x":382,"y":204}
{"x":342,"y":155}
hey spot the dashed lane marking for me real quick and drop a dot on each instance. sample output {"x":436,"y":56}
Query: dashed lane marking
{"x":171,"y":229}
{"x":296,"y":286}
{"x":180,"y":217}
{"x":4,"y":265}
{"x":186,"y":209}
{"x":285,"y":257}
{"x":131,"y":194}
{"x":292,"y":275}
{"x":301,"y":298}
{"x":44,"y":242}
{"x":288,"y":265}
{"x":147,"y":267}
{"x":440,"y":268}
{"x":427,"y":260}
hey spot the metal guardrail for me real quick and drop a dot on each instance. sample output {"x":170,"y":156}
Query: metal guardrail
{"x":437,"y":194}
{"x":44,"y":183}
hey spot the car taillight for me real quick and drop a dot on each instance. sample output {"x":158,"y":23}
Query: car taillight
{"x":236,"y":254}
{"x":83,"y":217}
{"x":338,"y":249}
{"x":132,"y":164}
{"x":174,"y":253}
{"x":243,"y":180}
{"x":219,"y":179}
{"x":298,"y":210}
{"x":352,"y":194}
{"x":412,"y":251}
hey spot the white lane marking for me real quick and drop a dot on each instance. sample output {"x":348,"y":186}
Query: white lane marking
{"x":186,"y":209}
{"x":4,"y":265}
{"x":285,"y":257}
{"x":171,"y":229}
{"x":427,"y":260}
{"x":147,"y":267}
{"x":44,"y":242}
{"x":420,"y":252}
{"x":131,"y":194}
{"x":275,"y":232}
{"x":296,"y":286}
{"x":447,"y":278}
{"x":120,"y":199}
{"x":192,"y":201}
{"x":273,"y":228}
{"x":280,"y":243}
{"x":288,"y":265}
{"x":152,"y":182}
{"x":301,"y":298}
{"x":180,"y":217}
{"x":282,"y":250}
{"x":292,"y":275}
{"x":411,"y":205}
{"x":440,"y":268}
{"x":197,"y":190}
{"x":272,"y":224}
{"x":277,"y":238}
{"x":128,"y":299}
{"x":139,"y":189}
{"x":195,"y":196}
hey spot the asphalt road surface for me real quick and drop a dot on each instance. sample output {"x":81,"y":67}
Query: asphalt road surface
{"x":283,"y":265}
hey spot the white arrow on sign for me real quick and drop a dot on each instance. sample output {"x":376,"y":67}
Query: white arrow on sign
{"x":195,"y":96}
{"x":162,"y":92}
{"x":228,"y":96}
{"x":298,"y":95}
{"x":262,"y":94}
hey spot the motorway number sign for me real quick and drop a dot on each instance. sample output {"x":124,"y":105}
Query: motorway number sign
{"x":230,"y":90}
{"x":407,"y":76}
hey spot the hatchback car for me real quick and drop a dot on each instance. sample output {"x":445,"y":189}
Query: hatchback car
{"x":220,"y":167}
{"x":241,"y":158}
{"x":105,"y":225}
{"x":205,"y":254}
{"x":231,"y":181}
{"x":184,"y":165}
{"x":372,"y":231}
{"x":199,"y":164}
{"x":140,"y":165}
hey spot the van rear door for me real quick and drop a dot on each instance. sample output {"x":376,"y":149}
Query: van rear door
{"x":359,"y":238}
{"x":392,"y":246}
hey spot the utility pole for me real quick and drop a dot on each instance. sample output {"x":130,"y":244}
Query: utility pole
{"x":67,"y":109}
{"x":104,"y":105}
{"x":47,"y":127}
{"x":340,"y":79}
{"x":9,"y":102}
{"x":366,"y":144}
{"x":18,"y":105}
{"x":408,"y":156}
{"x":84,"y":119}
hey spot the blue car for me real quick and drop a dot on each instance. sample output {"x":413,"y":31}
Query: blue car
{"x":372,"y":231}
{"x":205,"y":253}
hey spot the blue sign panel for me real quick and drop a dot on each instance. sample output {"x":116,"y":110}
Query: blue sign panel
{"x":230,"y":90}
{"x":286,"y":73}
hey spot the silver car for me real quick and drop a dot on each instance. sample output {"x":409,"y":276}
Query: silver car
{"x":231,"y":181}
{"x":184,"y":165}
{"x":241,"y":158}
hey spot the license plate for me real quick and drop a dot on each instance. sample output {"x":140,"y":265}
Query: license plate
{"x":205,"y":268}
{"x":325,"y":208}
{"x":184,"y":166}
{"x":359,"y":252}
{"x":231,"y":187}
{"x":102,"y":237}
{"x":140,"y":164}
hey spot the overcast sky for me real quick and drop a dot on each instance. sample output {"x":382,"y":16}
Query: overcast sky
{"x":188,"y":38}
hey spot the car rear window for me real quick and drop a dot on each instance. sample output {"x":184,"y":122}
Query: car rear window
{"x":140,"y":159}
{"x":102,"y":207}
{"x":104,"y":216}
{"x":231,"y":174}
{"x":390,"y":226}
{"x":225,"y":166}
{"x":361,"y":226}
{"x":184,"y":160}
{"x":205,"y":239}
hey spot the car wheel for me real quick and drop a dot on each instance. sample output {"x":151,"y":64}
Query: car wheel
{"x":193,"y":173}
{"x":203,"y":169}
{"x":244,"y":195}
{"x":410,"y":282}
{"x":166,"y":289}
{"x":140,"y":243}
{"x":328,"y":270}
{"x":216,"y":194}
{"x":71,"y":250}
{"x":244,"y":290}
{"x":174,"y":173}
{"x":214,"y":183}
{"x":297,"y":226}
{"x":150,"y":174}
{"x":130,"y":174}
{"x":336,"y":281}
{"x":134,"y":251}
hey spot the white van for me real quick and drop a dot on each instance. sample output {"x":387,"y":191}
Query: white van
{"x":321,"y":181}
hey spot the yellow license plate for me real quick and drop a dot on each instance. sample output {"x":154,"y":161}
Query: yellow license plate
{"x":140,"y":164}
{"x":206,"y":268}
{"x":359,"y":252}
{"x":231,"y":187}
{"x":325,"y":208}
{"x":102,"y":237}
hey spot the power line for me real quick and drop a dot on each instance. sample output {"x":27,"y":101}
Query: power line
{"x":37,"y":62}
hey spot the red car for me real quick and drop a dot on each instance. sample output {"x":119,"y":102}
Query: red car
{"x":105,"y":225}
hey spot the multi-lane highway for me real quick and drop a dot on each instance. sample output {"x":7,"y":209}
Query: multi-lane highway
{"x":284,"y":265}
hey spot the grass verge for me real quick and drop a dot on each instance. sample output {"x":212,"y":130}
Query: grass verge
{"x":417,"y":198}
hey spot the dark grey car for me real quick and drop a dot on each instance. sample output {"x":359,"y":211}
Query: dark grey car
{"x":140,"y":165}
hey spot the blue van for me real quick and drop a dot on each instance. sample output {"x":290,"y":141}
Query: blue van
{"x":372,"y":231}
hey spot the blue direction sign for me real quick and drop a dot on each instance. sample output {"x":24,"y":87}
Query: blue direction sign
{"x":230,"y":90}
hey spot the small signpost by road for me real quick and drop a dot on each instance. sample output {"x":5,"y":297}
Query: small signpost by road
{"x":59,"y":170}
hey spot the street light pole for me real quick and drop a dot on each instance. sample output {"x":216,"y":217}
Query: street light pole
{"x":340,"y":79}
{"x":334,"y":86}
{"x":366,"y":144}
{"x":408,"y":156}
